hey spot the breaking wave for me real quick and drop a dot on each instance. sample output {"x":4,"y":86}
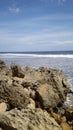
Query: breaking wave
{"x":9,"y":55}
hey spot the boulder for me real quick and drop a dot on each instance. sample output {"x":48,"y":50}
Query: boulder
{"x":47,"y":97}
{"x":15,"y":96}
{"x":53,"y":89}
{"x":17,"y":71}
{"x":29,"y":119}
{"x":47,"y":87}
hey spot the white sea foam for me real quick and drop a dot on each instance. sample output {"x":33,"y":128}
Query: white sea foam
{"x":10,"y":55}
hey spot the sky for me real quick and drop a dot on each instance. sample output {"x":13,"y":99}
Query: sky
{"x":36,"y":25}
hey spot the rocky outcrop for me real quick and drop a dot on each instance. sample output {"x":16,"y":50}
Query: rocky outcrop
{"x":28,"y":119}
{"x":17,"y":71}
{"x":30,"y":99}
{"x":47,"y":87}
{"x":53,"y":89}
{"x":14,"y":96}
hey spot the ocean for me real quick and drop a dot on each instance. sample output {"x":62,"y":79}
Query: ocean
{"x":62,"y":60}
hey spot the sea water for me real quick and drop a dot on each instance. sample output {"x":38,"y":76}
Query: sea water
{"x":62,"y":60}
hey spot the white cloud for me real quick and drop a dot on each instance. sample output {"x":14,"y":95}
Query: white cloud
{"x":41,"y":38}
{"x":37,"y":41}
{"x":14,"y":9}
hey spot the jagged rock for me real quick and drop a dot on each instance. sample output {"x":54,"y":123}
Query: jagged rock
{"x":47,"y":97}
{"x":53,"y":89}
{"x":29,"y":90}
{"x":17,"y":71}
{"x":15,"y":96}
{"x":29,"y":119}
{"x":48,"y":87}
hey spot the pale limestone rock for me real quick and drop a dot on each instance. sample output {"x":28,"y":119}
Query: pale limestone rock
{"x":3,"y":107}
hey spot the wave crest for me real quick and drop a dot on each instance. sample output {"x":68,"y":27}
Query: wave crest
{"x":38,"y":55}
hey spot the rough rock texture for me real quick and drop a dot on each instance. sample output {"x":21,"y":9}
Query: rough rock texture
{"x":64,"y":118}
{"x":69,"y":114}
{"x":15,"y":96}
{"x":53,"y":89}
{"x":4,"y":69}
{"x":47,"y":87}
{"x":28,"y":120}
{"x":27,"y":95}
{"x":17,"y":71}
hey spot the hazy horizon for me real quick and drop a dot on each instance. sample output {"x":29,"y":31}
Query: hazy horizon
{"x":39,"y":52}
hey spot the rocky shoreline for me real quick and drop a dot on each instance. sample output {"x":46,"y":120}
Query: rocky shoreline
{"x":33,"y":99}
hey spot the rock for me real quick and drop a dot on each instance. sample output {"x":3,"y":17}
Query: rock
{"x":56,"y":117}
{"x":2,"y":64}
{"x":53,"y":89}
{"x":69,"y":114}
{"x":36,"y":92}
{"x":29,"y":119}
{"x":17,"y":71}
{"x":31,"y":104}
{"x":47,"y":97}
{"x":0,"y":128}
{"x":27,"y":84}
{"x":47,"y":87}
{"x":17,"y":80}
{"x":15,"y":96}
{"x":4,"y":69}
{"x":65,"y":126}
{"x":3,"y":107}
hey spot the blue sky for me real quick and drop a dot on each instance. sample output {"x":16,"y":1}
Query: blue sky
{"x":36,"y":25}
